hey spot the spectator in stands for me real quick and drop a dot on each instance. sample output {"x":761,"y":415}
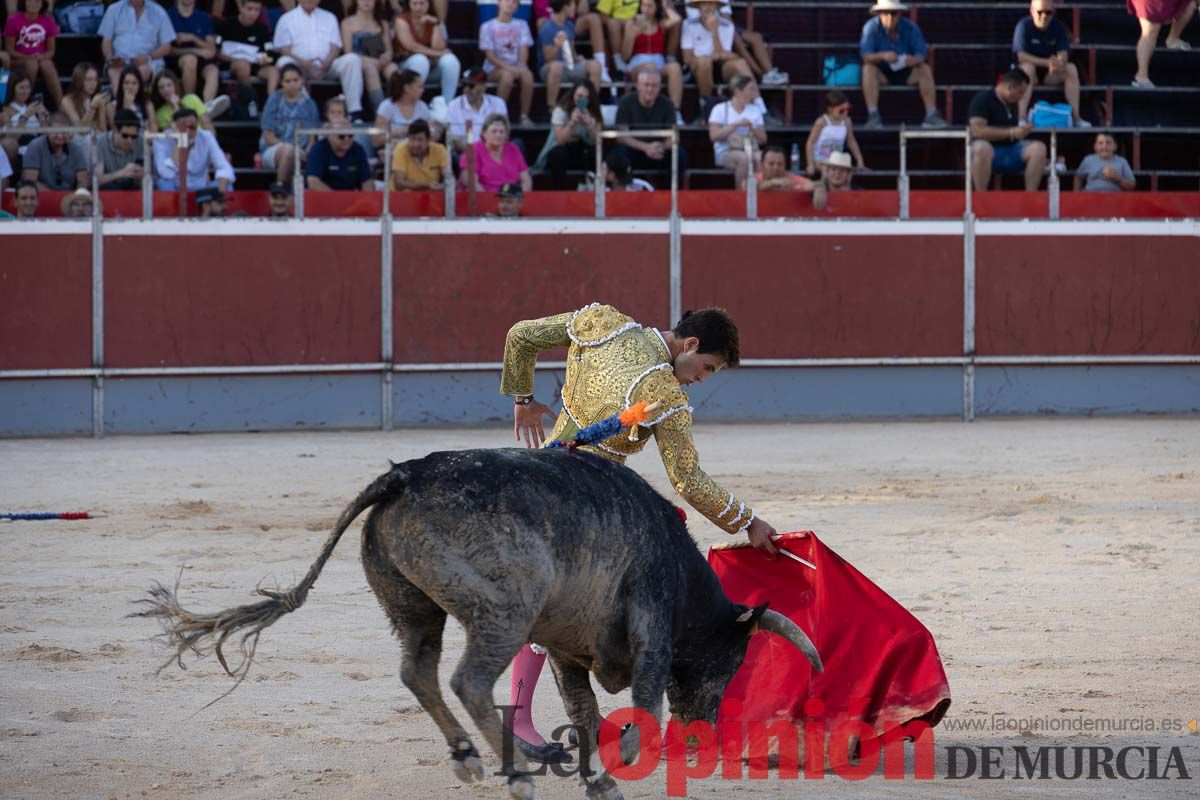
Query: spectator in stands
{"x":574,"y":126}
{"x":643,"y":46}
{"x":837,"y":174}
{"x":244,"y":39}
{"x":1041,"y":49}
{"x":308,"y":37}
{"x":618,"y":174}
{"x":614,"y":14}
{"x":749,"y":45}
{"x":6,"y":170}
{"x":119,"y":154}
{"x":776,"y":178}
{"x":136,"y":34}
{"x":418,"y":163}
{"x":78,"y":204}
{"x":647,"y":109}
{"x":367,"y":34}
{"x":558,"y":60}
{"x":509,"y":199}
{"x":421,"y":41}
{"x":194,"y":52}
{"x":732,"y":123}
{"x":27,"y":199}
{"x":474,"y":105}
{"x":338,"y":163}
{"x":893,"y":50}
{"x":21,"y":110}
{"x":287,"y":110}
{"x":1152,"y":14}
{"x":205,"y":159}
{"x":279,"y":201}
{"x":1104,"y":170}
{"x":167,"y":97}
{"x":131,"y":96}
{"x":56,"y":161}
{"x":505,"y":43}
{"x":210,"y":203}
{"x":708,"y":40}
{"x":403,"y":107}
{"x":999,"y":140}
{"x":85,"y":104}
{"x":29,"y":41}
{"x":494,"y":159}
{"x":833,"y":132}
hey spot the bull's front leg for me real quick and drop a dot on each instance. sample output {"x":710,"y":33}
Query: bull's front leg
{"x":575,"y":686}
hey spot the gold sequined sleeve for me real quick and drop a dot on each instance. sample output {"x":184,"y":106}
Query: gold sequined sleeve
{"x":679,"y":456}
{"x":522,"y":345}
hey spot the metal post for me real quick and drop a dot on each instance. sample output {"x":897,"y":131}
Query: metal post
{"x":297,"y":179}
{"x":675,"y":241}
{"x":387,"y":174}
{"x":1052,"y":184}
{"x":968,"y":408}
{"x":183,"y":152}
{"x":751,"y":181}
{"x":385,"y":320}
{"x":147,"y":177}
{"x":968,"y":185}
{"x":97,"y":301}
{"x":448,"y":194}
{"x":599,"y":181}
{"x":903,"y":182}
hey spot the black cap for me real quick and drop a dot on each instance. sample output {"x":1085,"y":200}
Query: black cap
{"x":474,"y":75}
{"x":510,"y":190}
{"x":280,"y":188}
{"x":618,"y":164}
{"x":209,"y":195}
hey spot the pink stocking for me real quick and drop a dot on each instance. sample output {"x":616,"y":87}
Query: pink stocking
{"x":526,"y":668}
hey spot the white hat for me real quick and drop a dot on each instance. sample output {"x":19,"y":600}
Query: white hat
{"x":838,"y":158}
{"x":887,"y":5}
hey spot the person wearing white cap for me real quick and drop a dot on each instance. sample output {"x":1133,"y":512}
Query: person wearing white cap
{"x":893,"y":50}
{"x":837,"y":170}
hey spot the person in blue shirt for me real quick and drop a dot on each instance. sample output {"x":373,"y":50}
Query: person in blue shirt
{"x":338,"y":163}
{"x":194,"y":51}
{"x":894,"y":51}
{"x":1041,"y":49}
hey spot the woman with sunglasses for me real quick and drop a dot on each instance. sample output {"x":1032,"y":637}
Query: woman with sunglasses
{"x":833,"y":132}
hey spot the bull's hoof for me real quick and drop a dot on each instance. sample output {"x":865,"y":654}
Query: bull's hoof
{"x":466,"y":765}
{"x":548,"y":753}
{"x":603,"y":788}
{"x":520,"y":787}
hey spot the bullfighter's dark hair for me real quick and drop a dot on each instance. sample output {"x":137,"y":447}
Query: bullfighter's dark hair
{"x":715,"y":330}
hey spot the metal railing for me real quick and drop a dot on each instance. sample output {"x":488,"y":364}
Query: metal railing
{"x":600,"y":183}
{"x":298,"y":183}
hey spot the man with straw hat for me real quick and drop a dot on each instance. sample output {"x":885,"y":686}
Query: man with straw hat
{"x":836,"y":171}
{"x":893,"y":50}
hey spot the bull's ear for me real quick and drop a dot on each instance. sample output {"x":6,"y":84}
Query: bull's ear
{"x":749,"y":617}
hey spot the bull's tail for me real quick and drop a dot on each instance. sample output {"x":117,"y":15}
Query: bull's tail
{"x":206,"y":633}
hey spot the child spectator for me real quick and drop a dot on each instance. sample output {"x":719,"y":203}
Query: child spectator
{"x":167,"y":97}
{"x":29,"y":40}
{"x":557,"y":59}
{"x":573,"y":128}
{"x":421,"y":39}
{"x":85,"y":104}
{"x":21,"y":110}
{"x":244,"y":39}
{"x":643,"y":46}
{"x":286,"y":110}
{"x":1104,"y":170}
{"x":505,"y":43}
{"x":833,"y":132}
{"x":497,"y":161}
{"x":131,"y":95}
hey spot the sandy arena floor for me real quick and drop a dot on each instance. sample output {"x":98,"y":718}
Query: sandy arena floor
{"x":1055,"y":561}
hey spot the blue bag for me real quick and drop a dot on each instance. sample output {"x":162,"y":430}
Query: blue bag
{"x":842,"y":71}
{"x":1051,"y":115}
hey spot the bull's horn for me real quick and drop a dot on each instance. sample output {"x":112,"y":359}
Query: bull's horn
{"x":778,"y":624}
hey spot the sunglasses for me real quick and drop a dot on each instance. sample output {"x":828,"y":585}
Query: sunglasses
{"x":341,"y":137}
{"x":125,"y":135}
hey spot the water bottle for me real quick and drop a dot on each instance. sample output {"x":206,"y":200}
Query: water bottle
{"x":795,"y":161}
{"x":568,"y":56}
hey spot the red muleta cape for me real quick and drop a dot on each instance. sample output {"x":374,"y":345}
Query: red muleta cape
{"x":881,"y":664}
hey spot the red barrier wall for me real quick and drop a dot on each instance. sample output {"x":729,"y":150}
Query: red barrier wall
{"x":832,"y":297}
{"x":1108,"y":295}
{"x":461,"y":310}
{"x":217,"y":301}
{"x":711,"y":203}
{"x":45,"y":301}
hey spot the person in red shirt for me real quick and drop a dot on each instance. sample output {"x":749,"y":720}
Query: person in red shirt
{"x":29,"y":37}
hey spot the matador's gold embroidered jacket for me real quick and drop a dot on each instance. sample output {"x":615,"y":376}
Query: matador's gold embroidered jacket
{"x":612,"y":363}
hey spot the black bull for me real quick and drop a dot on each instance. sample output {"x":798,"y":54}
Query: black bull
{"x":553,"y":546}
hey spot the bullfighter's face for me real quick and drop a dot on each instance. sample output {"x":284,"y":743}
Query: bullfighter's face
{"x":692,"y":366}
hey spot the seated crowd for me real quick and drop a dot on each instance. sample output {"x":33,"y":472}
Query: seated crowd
{"x":170,"y":72}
